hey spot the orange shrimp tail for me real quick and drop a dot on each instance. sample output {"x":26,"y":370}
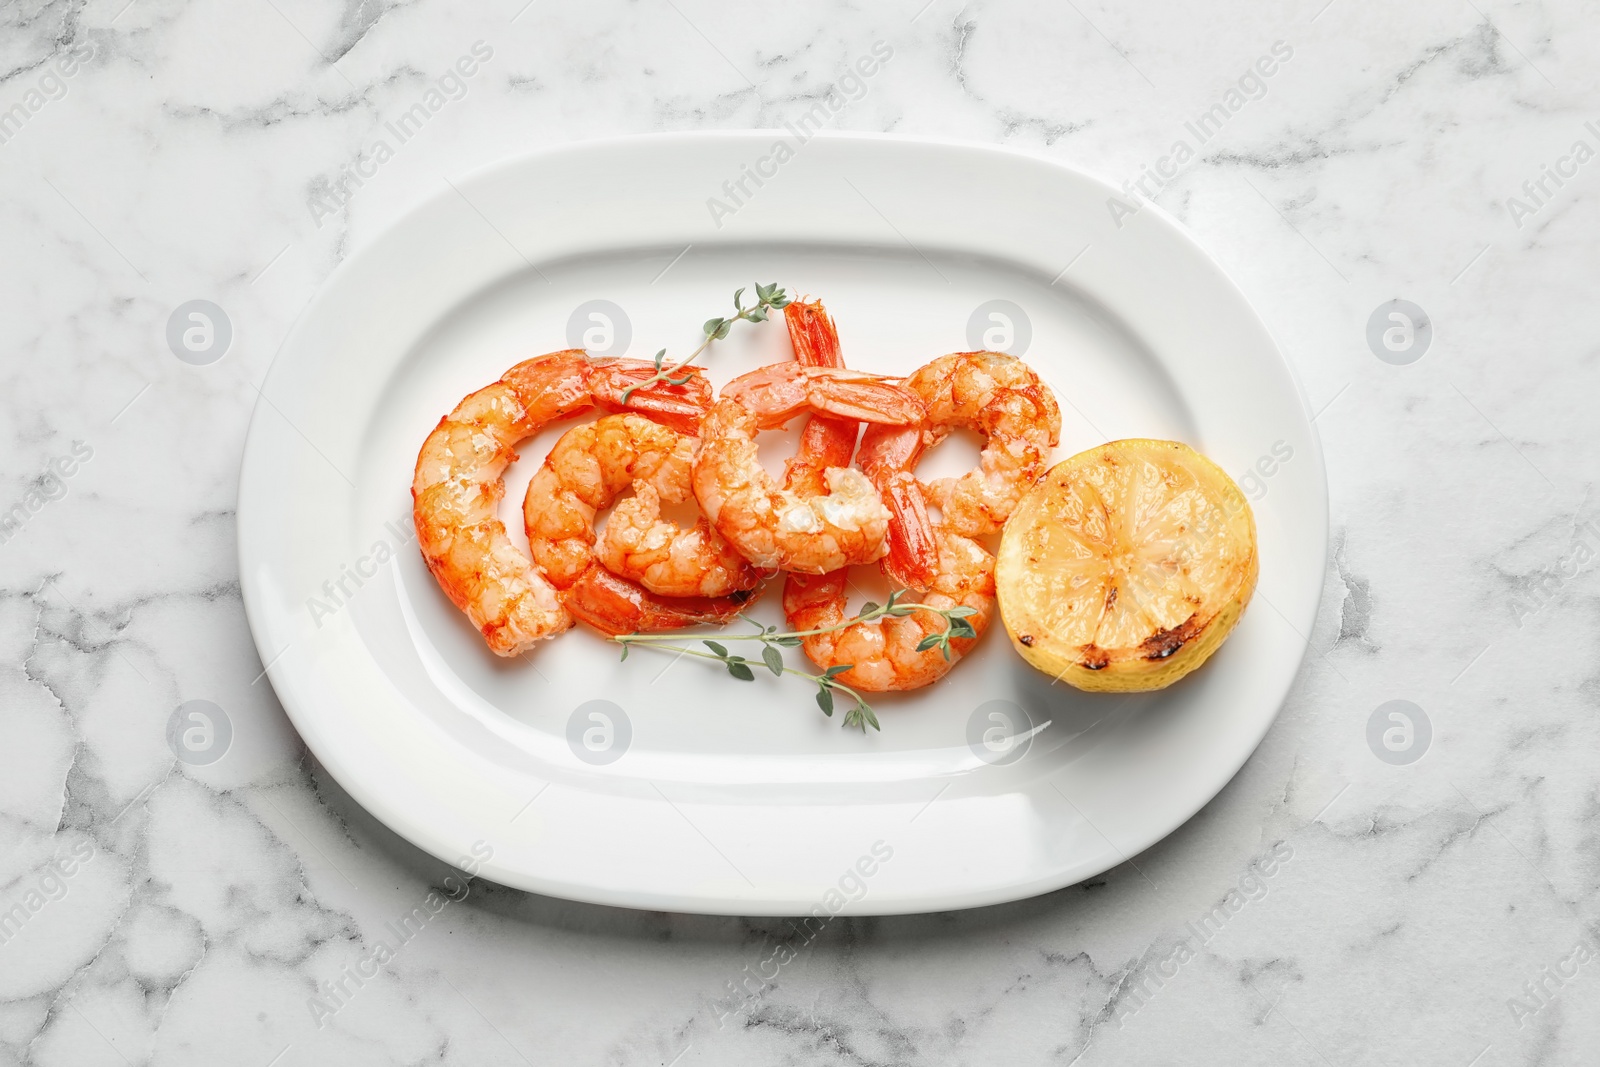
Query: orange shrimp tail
{"x":889,"y":456}
{"x":841,"y":395}
{"x":550,"y":387}
{"x":679,"y":407}
{"x":913,"y":557}
{"x":824,"y":442}
{"x":778,"y":393}
{"x":812,"y":334}
{"x":616,"y":606}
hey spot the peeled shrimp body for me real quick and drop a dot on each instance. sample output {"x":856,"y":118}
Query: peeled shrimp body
{"x":778,"y":528}
{"x":683,"y":577}
{"x":1002,"y":398}
{"x":459,"y":482}
{"x":640,"y":544}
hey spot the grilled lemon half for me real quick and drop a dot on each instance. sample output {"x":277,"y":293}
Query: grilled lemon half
{"x":1125,"y":567}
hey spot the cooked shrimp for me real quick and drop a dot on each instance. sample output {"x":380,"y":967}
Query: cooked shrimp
{"x":883,"y":654}
{"x":1003,"y":399}
{"x":778,"y":528}
{"x":995,"y":394}
{"x":583,"y":474}
{"x":458,"y":483}
{"x":665,"y":558}
{"x":637,"y":544}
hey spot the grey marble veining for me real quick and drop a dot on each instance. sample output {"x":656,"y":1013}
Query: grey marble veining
{"x":1443,"y":912}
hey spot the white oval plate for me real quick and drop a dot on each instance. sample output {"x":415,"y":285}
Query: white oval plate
{"x":740,"y":797}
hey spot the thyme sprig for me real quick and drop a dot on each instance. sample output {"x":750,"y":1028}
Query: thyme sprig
{"x":827,"y":683}
{"x":769,"y":298}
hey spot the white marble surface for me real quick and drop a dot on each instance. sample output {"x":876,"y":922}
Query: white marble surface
{"x":186,"y":158}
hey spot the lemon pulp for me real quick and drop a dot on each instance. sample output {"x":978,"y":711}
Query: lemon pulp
{"x":1126,"y":566}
